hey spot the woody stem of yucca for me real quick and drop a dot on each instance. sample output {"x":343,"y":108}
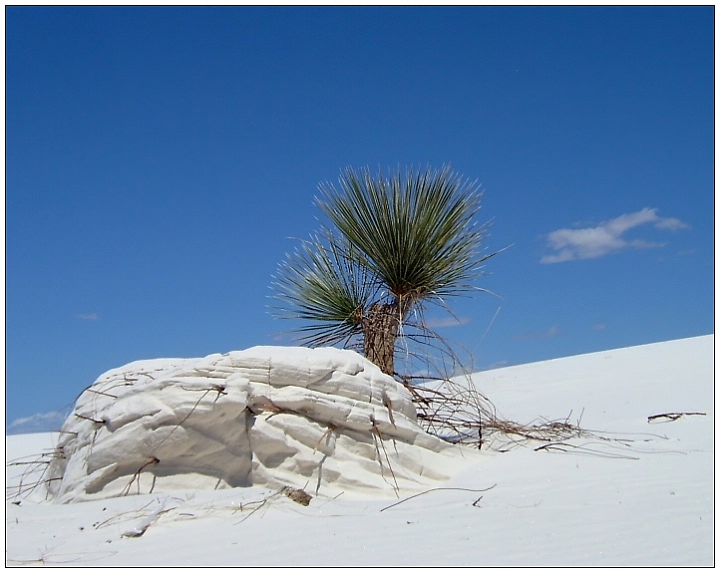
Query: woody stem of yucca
{"x":380,"y":327}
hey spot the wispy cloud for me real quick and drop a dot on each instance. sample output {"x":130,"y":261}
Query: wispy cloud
{"x":41,"y":422}
{"x":549,"y":333}
{"x":447,"y":321}
{"x":607,"y":237}
{"x":599,"y":326}
{"x":498,"y":364}
{"x":90,"y":316}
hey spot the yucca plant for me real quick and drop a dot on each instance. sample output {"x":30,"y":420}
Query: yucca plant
{"x":391,"y":244}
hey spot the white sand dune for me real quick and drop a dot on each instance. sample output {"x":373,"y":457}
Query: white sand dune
{"x":633,"y":493}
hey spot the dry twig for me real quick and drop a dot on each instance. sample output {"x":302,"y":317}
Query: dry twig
{"x":672,"y":416}
{"x":376,"y":432}
{"x":440,"y":489}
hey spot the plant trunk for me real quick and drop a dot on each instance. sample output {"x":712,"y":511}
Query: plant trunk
{"x":380,"y":328}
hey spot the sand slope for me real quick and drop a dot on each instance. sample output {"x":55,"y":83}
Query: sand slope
{"x":638,"y":493}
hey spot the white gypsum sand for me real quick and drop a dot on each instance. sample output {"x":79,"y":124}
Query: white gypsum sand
{"x":640,"y":494}
{"x":322,"y":419}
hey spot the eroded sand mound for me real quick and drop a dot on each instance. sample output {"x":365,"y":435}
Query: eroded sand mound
{"x":325,"y":420}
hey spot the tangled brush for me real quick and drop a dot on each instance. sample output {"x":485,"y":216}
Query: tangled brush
{"x":451,"y":407}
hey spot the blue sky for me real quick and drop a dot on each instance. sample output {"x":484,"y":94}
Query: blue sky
{"x":160,"y":162}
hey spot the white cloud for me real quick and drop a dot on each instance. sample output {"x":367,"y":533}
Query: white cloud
{"x":91,"y":316}
{"x":41,"y":422}
{"x":670,"y":224}
{"x":606,"y":238}
{"x":447,"y":321}
{"x":549,"y":333}
{"x":498,"y":364}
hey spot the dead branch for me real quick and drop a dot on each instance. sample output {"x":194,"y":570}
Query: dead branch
{"x":47,"y":558}
{"x":326,"y":434}
{"x":672,"y":416}
{"x":215,"y":387}
{"x":448,"y":404}
{"x":89,"y":419}
{"x":375,"y":430}
{"x":140,"y":529}
{"x":262,"y":503}
{"x":388,"y":404}
{"x":439,"y":489}
{"x":560,"y":446}
{"x":136,"y":475}
{"x":565,"y":447}
{"x":124,"y":515}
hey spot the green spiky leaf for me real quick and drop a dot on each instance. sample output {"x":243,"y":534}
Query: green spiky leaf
{"x":408,"y":239}
{"x":322,"y":283}
{"x":416,"y":232}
